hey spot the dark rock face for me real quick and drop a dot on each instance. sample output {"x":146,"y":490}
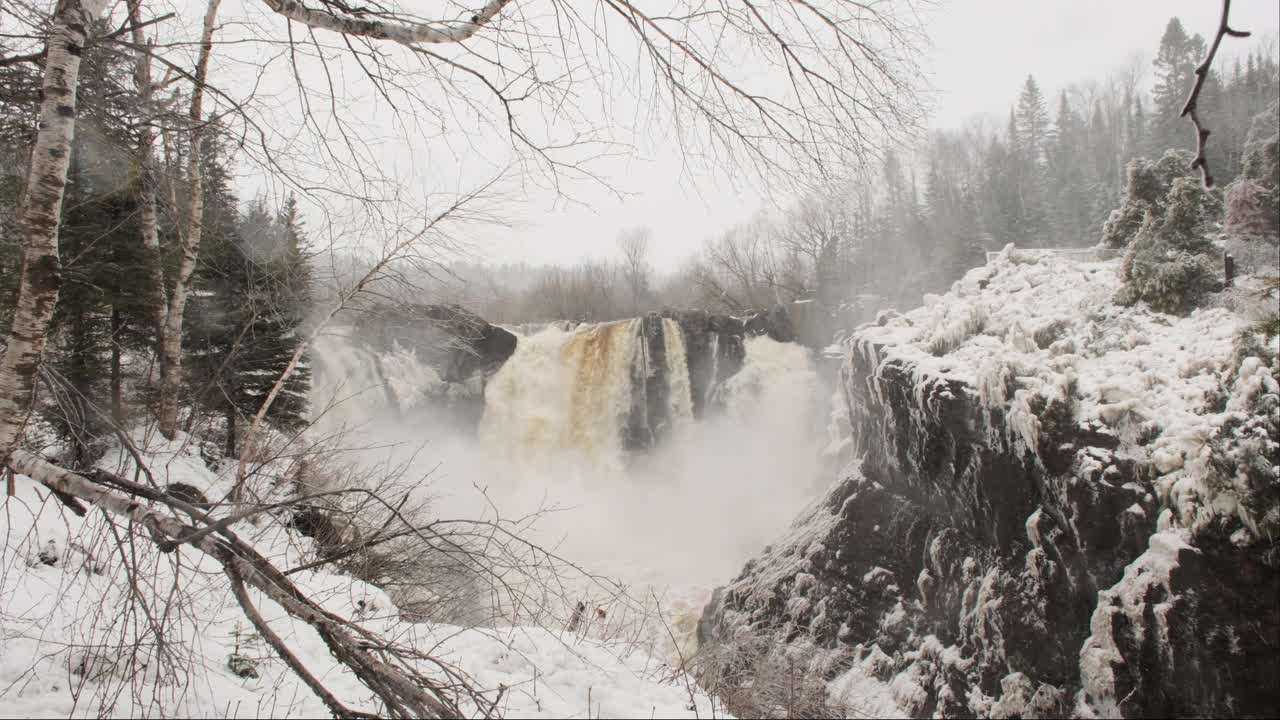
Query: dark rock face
{"x":650,"y":387}
{"x":774,"y":322}
{"x":459,"y":345}
{"x":453,"y":340}
{"x":1190,"y":632}
{"x":714,"y":352}
{"x":974,"y":564}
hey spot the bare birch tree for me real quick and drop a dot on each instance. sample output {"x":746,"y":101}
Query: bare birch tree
{"x":148,"y":220}
{"x":190,"y":233}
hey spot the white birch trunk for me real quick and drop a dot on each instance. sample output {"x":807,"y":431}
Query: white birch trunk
{"x":403,"y":32}
{"x":171,"y":337}
{"x":40,"y":276}
{"x":147,"y":174}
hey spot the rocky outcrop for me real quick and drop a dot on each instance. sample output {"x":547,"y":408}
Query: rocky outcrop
{"x":453,"y":340}
{"x":996,"y":553}
{"x":461,"y":347}
{"x":952,"y":532}
{"x":1190,"y":631}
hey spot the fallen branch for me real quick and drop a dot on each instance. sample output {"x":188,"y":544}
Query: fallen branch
{"x":404,"y":692}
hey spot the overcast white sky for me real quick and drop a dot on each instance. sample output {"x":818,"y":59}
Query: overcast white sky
{"x":983,"y":50}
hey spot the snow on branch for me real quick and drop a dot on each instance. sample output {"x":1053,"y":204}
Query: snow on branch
{"x":1202,"y":74}
{"x":340,"y":19}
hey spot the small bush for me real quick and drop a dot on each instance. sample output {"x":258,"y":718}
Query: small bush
{"x":757,"y":675}
{"x":1170,"y":263}
{"x":1147,"y":186}
{"x":956,"y":327}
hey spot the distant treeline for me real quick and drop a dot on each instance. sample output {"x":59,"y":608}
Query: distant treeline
{"x":1047,"y":176}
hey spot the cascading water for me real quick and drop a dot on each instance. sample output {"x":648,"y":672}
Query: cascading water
{"x":559,"y":439}
{"x":679,"y":387}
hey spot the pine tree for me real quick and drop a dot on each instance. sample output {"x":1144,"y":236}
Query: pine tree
{"x":1253,"y":200}
{"x":1170,"y":263}
{"x":252,"y":297}
{"x":1032,"y":124}
{"x":1175,"y":65}
{"x":1067,"y":191}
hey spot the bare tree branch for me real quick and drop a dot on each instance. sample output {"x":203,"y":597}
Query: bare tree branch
{"x":1202,"y":74}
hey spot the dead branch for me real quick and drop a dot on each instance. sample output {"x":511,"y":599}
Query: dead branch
{"x":1202,"y":74}
{"x":404,"y":692}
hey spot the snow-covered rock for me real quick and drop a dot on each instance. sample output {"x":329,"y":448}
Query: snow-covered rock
{"x":1020,"y":441}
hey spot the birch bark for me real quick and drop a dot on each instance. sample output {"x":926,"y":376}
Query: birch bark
{"x":40,"y":273}
{"x":147,"y":172}
{"x":171,"y":337}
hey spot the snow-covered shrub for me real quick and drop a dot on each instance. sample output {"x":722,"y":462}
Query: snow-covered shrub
{"x":1170,"y":263}
{"x":1262,"y":149}
{"x":758,"y":675}
{"x":1147,"y":186}
{"x":1252,"y":224}
{"x":1245,"y":453}
{"x":1056,"y":413}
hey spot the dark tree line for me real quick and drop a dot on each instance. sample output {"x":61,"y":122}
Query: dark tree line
{"x":252,"y":287}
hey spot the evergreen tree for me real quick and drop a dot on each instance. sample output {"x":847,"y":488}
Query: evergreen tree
{"x":1032,"y":124}
{"x":253,"y":292}
{"x":1175,"y":65}
{"x":1170,"y":263}
{"x":1067,"y":189}
{"x":1147,"y":187}
{"x":1253,"y":200}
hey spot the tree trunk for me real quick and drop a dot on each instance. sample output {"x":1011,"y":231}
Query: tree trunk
{"x":230,"y":450}
{"x":171,"y":337}
{"x":117,"y":401}
{"x":39,"y":274}
{"x":147,"y":176}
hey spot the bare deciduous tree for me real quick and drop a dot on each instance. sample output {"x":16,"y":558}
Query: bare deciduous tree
{"x":191,"y":232}
{"x":634,"y":245}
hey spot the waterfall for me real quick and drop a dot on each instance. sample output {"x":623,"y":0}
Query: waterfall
{"x":598,"y":391}
{"x":679,"y":387}
{"x":558,"y":442}
{"x":564,"y":391}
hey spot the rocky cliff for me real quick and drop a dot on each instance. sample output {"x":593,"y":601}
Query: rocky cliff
{"x":460,"y":347}
{"x":1050,"y":506}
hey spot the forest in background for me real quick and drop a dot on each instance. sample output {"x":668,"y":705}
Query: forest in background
{"x":1047,"y":177}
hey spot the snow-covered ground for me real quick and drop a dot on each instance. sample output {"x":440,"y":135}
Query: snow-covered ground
{"x":79,"y":636}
